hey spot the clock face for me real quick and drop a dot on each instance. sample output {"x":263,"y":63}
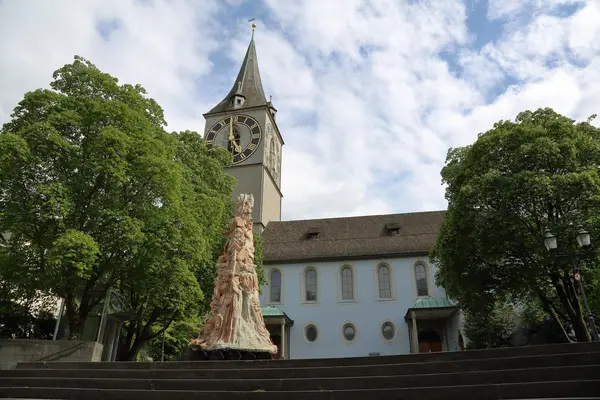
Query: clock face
{"x":240,"y":137}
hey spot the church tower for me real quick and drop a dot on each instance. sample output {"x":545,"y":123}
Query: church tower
{"x":244,"y":123}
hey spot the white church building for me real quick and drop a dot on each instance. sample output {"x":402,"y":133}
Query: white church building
{"x":339,"y":287}
{"x":357,"y":286}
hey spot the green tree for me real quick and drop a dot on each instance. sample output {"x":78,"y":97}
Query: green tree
{"x":491,"y":327}
{"x":504,"y":191}
{"x":97,"y":194}
{"x":169,"y":279}
{"x":178,"y":335}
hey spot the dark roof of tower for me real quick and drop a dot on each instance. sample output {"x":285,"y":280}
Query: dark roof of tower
{"x":367,"y":236}
{"x":251,"y":85}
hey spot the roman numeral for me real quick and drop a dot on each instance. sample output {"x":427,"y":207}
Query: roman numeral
{"x":255,"y":135}
{"x":252,"y":146}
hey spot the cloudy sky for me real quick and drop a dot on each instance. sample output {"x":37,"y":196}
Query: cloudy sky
{"x":371,"y":94}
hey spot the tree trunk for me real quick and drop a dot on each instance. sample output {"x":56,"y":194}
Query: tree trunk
{"x":74,"y":319}
{"x":581,"y":330}
{"x":550,"y":309}
{"x":138,"y":334}
{"x":126,"y":341}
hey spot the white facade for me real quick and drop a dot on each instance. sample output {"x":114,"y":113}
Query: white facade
{"x":356,"y":293}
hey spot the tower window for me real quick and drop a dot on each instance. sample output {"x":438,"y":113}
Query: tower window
{"x":238,"y":101}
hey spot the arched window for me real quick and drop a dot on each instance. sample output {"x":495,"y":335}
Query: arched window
{"x":421,"y":279}
{"x":347,"y":284}
{"x":275,"y":294}
{"x":311,"y":284}
{"x":385,"y":286}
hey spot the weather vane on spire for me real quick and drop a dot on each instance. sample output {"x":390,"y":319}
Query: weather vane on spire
{"x":253,"y":25}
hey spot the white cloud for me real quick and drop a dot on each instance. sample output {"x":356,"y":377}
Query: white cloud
{"x":368,"y":105}
{"x":162,"y":45}
{"x":509,"y":8}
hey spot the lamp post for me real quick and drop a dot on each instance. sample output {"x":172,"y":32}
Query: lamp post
{"x":583,"y":240}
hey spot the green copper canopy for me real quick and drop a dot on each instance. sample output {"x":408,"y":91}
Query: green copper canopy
{"x":271,"y":312}
{"x":247,"y":84}
{"x":432,"y":302}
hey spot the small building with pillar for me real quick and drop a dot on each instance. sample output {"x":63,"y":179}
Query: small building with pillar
{"x":357,"y":286}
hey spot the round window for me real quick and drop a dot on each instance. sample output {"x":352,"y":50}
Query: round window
{"x":311,"y":333}
{"x":349,"y":332}
{"x":388,"y":330}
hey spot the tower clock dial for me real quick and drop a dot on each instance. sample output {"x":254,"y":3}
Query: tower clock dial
{"x":239,"y":134}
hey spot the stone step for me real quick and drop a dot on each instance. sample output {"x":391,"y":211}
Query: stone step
{"x":200,"y":372}
{"x":375,"y":360}
{"x":588,"y":372}
{"x":528,"y":390}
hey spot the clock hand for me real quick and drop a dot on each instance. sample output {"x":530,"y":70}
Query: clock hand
{"x":236,"y":146}
{"x":231,"y":137}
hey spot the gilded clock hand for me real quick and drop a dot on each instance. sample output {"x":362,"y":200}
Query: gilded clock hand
{"x":236,"y":146}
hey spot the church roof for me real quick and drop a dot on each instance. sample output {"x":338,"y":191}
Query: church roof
{"x":247,"y":83}
{"x":368,"y":236}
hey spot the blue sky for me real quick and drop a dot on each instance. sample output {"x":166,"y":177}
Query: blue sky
{"x":370,"y":93}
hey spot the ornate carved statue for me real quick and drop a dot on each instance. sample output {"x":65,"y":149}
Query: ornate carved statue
{"x":235,"y":327}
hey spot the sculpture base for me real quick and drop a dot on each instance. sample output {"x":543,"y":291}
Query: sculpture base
{"x":196,"y":354}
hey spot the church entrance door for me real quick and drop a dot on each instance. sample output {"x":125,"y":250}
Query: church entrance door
{"x":276,"y":339}
{"x":429,"y":341}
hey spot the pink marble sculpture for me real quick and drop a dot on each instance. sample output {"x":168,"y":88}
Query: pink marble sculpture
{"x":235,"y":321}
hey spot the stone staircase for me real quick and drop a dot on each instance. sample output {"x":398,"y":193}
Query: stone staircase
{"x":551,"y":372}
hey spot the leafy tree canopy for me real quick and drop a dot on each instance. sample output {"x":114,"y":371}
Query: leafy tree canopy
{"x":516,"y":181}
{"x":97,"y":194}
{"x":491,"y":328}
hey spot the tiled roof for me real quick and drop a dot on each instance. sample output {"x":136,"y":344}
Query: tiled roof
{"x":351,"y":237}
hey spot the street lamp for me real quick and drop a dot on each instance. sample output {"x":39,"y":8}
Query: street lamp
{"x":583,"y":240}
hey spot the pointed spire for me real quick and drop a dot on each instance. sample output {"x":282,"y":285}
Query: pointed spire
{"x":247,"y":84}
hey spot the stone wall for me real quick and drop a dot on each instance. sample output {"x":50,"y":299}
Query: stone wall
{"x":13,"y":351}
